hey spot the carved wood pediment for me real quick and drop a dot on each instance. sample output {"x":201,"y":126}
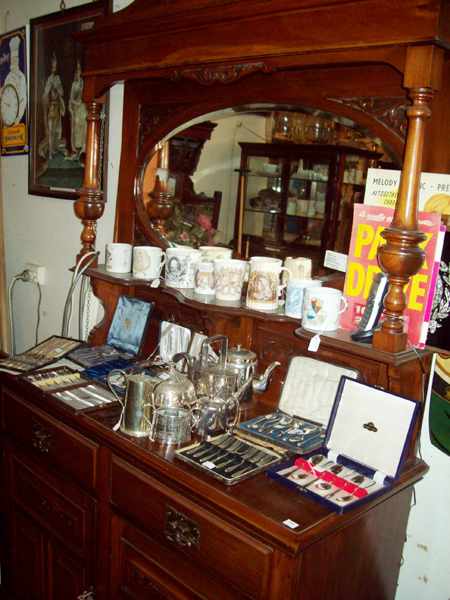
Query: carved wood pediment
{"x":391,"y":111}
{"x":220,"y":73}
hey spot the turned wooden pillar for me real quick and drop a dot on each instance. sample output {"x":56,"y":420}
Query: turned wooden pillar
{"x":160,"y":206}
{"x":401,"y":257}
{"x":90,"y":205}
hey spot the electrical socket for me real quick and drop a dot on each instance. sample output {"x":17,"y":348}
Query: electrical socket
{"x":37,"y":273}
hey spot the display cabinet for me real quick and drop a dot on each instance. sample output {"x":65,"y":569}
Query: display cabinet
{"x":298,"y":198}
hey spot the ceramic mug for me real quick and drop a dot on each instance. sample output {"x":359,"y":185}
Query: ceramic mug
{"x":229,"y":275}
{"x":264,"y":283}
{"x":204,"y":278}
{"x":118,"y":257}
{"x":215,"y":252}
{"x":148,"y":262}
{"x":295,"y":293}
{"x":181,"y":266}
{"x":322,"y":308}
{"x":299,"y":267}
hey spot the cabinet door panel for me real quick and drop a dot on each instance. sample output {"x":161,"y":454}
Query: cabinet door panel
{"x":27,"y":558}
{"x":55,"y":444}
{"x":142,"y":569}
{"x":63,"y":509}
{"x":67,"y":577}
{"x":192,"y":531}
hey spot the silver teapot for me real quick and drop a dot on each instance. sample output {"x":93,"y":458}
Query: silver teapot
{"x":174,"y":392}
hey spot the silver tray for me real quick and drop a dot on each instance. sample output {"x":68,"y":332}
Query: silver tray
{"x":229,"y":458}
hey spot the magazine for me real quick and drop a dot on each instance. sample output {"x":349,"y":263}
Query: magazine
{"x":368,"y":223}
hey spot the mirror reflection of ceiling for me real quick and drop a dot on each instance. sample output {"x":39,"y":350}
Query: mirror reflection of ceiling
{"x":219,"y":162}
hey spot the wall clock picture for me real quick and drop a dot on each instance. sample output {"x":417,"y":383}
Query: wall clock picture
{"x":13,"y":93}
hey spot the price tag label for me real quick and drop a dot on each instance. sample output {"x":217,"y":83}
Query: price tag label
{"x":314,"y":343}
{"x":291,"y":524}
{"x":209,"y":464}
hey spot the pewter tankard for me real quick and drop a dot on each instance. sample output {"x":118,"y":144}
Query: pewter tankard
{"x":136,"y":416}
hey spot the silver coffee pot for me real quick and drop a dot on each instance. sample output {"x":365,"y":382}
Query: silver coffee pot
{"x":244,"y":363}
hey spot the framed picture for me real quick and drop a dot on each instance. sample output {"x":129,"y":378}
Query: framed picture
{"x":57,"y":112}
{"x":13,"y":93}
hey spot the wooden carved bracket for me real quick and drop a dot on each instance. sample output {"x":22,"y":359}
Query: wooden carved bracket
{"x":390,"y":112}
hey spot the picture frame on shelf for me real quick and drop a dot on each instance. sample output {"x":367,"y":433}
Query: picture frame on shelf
{"x":57,"y":112}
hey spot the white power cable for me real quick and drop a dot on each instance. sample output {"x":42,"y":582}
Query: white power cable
{"x":80,"y":268}
{"x":23,"y":276}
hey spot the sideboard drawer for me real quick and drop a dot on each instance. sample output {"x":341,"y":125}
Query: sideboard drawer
{"x":56,"y":444}
{"x":183,"y":525}
{"x":65,"y":510}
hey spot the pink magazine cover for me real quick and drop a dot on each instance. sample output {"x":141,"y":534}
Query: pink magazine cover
{"x":434,"y":276}
{"x":368,"y":223}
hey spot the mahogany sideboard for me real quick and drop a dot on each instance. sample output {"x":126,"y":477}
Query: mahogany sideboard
{"x":87,"y":511}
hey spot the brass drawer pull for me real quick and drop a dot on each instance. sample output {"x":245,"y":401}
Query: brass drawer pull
{"x":41,"y":438}
{"x":180,"y":530}
{"x":87,"y":595}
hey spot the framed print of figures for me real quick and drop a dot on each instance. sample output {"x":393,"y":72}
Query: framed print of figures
{"x":57,"y":111}
{"x":13,"y":93}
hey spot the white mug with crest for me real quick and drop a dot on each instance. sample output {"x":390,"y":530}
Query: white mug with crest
{"x":118,"y":257}
{"x":181,"y":266}
{"x":148,"y":262}
{"x":322,"y":308}
{"x":294,"y":295}
{"x":229,"y":274}
{"x":264,"y":286}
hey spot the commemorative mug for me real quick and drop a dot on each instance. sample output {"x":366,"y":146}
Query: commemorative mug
{"x":264,"y":286}
{"x":118,"y":257}
{"x":148,"y":262}
{"x":322,"y":307}
{"x":204,"y":278}
{"x":294,"y":295}
{"x":181,"y":266}
{"x":229,"y":275}
{"x":212,"y":253}
{"x":299,"y":267}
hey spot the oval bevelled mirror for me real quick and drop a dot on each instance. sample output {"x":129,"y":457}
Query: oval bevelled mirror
{"x":260,"y":179}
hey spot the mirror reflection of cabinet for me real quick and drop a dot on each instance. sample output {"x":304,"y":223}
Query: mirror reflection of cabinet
{"x":298,"y":199}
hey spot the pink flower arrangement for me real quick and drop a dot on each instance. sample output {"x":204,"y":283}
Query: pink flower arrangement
{"x":205,"y":223}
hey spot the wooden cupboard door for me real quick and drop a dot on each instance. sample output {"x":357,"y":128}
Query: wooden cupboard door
{"x":63,"y":509}
{"x":27,"y":558}
{"x":67,"y":577}
{"x":50,"y":441}
{"x":190,"y":531}
{"x":136,"y":573}
{"x":143,"y":569}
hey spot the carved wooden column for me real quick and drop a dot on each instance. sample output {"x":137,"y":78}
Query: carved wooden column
{"x":90,"y":205}
{"x":401,"y":257}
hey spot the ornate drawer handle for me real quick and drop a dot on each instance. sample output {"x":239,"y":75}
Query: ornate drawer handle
{"x":41,"y":438}
{"x":180,"y":530}
{"x":87,"y":595}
